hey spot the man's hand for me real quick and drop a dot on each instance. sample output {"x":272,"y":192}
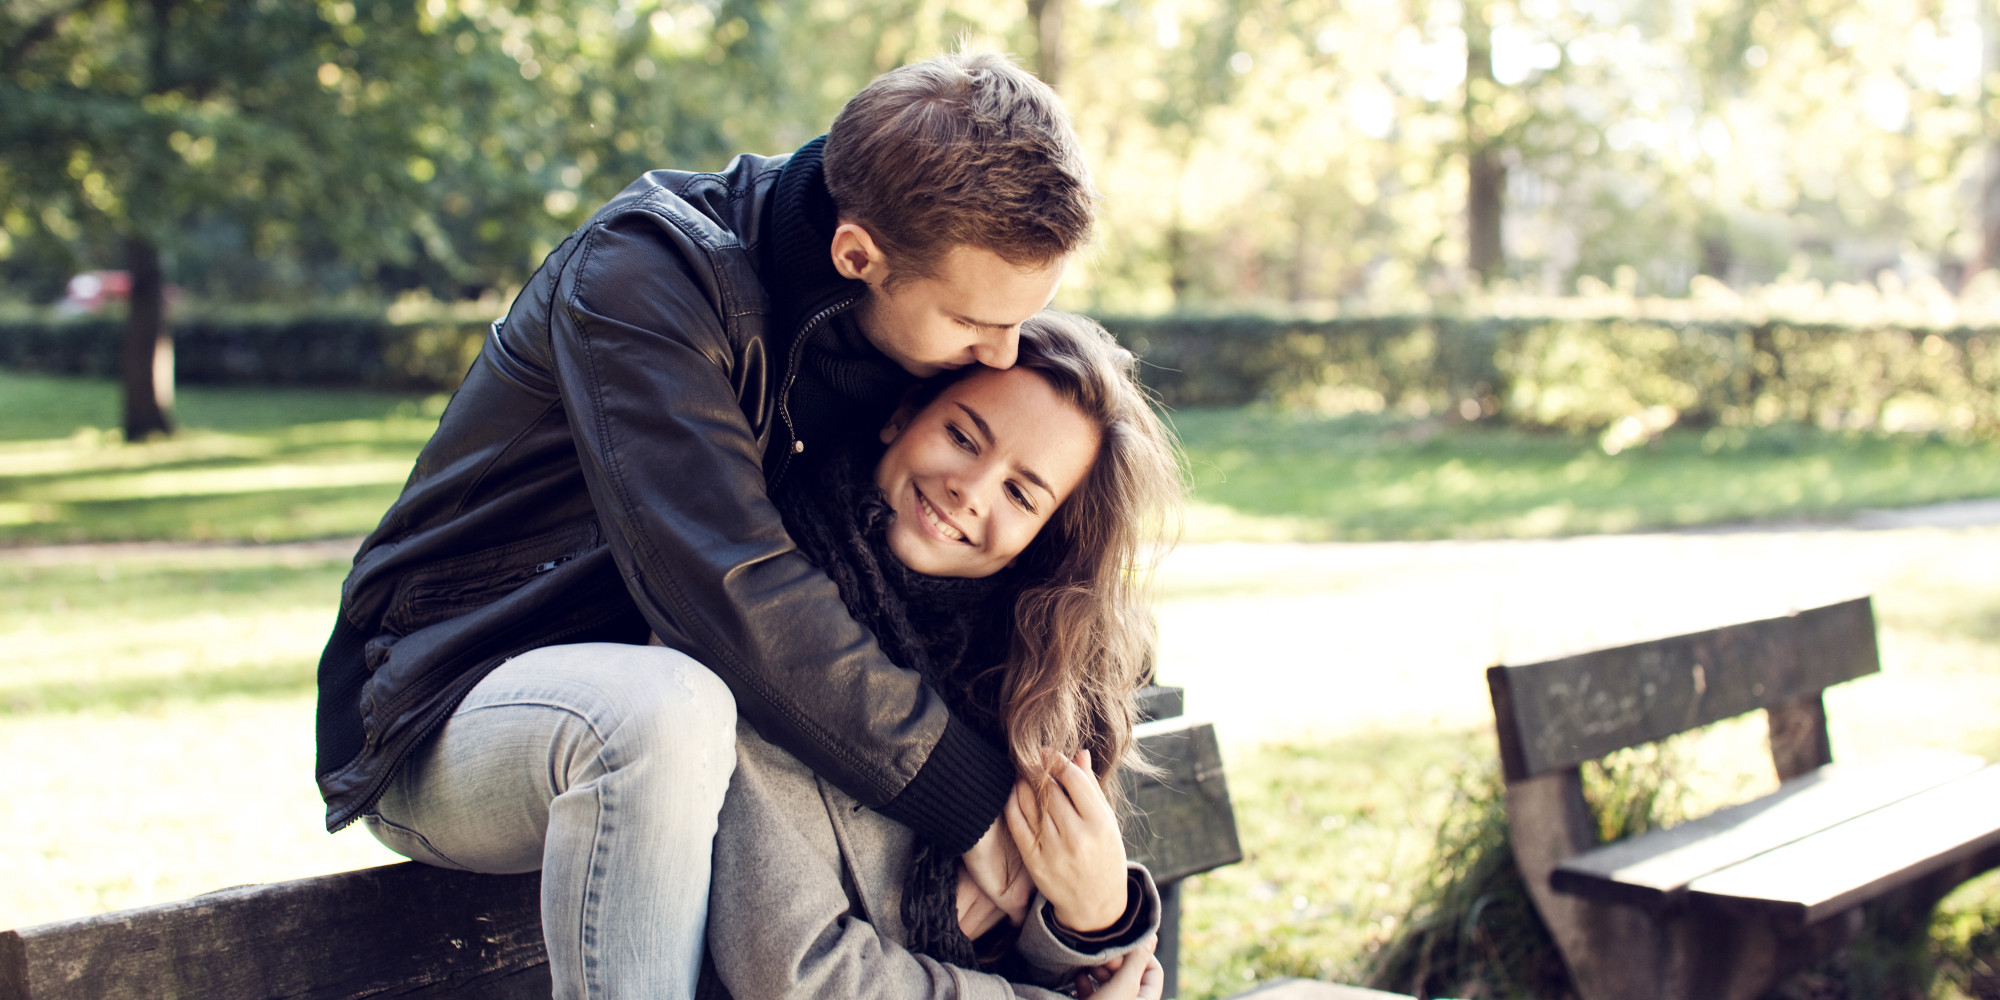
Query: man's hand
{"x":1071,"y":846}
{"x":995,"y":868}
{"x":1137,"y":976}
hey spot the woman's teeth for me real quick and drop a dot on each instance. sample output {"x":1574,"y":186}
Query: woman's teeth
{"x":931,"y":515}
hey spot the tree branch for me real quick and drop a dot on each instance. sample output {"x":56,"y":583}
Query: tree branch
{"x":41,"y":31}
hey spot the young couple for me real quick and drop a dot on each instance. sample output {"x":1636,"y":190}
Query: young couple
{"x":700,"y":425}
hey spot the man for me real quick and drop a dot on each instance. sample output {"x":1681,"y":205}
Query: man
{"x":602,"y":473}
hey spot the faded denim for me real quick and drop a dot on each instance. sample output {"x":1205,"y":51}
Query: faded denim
{"x":603,"y":765}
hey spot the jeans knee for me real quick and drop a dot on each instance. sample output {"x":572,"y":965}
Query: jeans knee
{"x":674,"y":711}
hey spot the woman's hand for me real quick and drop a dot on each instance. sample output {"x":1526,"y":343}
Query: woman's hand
{"x":1072,"y":847}
{"x":1136,"y":976}
{"x":977,"y":912}
{"x":995,"y":869}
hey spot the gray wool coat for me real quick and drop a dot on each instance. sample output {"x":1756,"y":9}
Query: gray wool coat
{"x":806,"y":900}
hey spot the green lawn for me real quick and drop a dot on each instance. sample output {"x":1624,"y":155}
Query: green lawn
{"x":250,"y":464}
{"x":1265,"y":474}
{"x":124,"y":665}
{"x":281,"y":464}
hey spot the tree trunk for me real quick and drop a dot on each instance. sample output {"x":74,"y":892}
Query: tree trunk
{"x":1047,"y":16}
{"x":1486,"y":173}
{"x":1989,"y":194}
{"x":148,"y":360}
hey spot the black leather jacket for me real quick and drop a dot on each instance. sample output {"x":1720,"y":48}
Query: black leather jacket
{"x":602,"y":471}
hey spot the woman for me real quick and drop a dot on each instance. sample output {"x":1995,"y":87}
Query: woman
{"x":994,"y":545}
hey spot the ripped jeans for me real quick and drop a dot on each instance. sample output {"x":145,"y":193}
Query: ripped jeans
{"x":604,"y":766}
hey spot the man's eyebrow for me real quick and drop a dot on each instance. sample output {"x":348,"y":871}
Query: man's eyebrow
{"x":989,"y":435}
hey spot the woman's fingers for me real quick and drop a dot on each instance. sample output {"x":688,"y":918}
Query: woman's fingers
{"x":1152,"y":982}
{"x":1086,"y":796}
{"x":1128,"y":982}
{"x":1024,"y":821}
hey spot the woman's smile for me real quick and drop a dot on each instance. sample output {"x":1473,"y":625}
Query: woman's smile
{"x":978,"y":472}
{"x":937,"y":521}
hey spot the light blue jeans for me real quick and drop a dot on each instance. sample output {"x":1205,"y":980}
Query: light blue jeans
{"x":604,"y":766}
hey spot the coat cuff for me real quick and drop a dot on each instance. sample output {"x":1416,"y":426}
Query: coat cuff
{"x":958,"y":793}
{"x":1045,"y":945}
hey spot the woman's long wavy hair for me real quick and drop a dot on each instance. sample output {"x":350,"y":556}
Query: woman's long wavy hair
{"x":1083,"y":628}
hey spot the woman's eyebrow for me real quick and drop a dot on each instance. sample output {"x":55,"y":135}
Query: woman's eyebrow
{"x":986,"y":432}
{"x":977,"y":421}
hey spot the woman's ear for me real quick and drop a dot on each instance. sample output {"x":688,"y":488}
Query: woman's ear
{"x":897,"y":422}
{"x":856,"y":256}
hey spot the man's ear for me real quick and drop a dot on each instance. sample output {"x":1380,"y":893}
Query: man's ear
{"x":856,"y":256}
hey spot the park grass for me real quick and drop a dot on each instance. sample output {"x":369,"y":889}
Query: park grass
{"x":156,"y":710}
{"x":284,"y":464}
{"x":1261,"y":474}
{"x":250,"y":464}
{"x":150,"y":691}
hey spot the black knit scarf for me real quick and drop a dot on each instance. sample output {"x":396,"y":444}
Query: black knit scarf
{"x":949,"y":630}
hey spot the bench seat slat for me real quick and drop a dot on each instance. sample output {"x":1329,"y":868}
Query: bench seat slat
{"x":1654,"y":869}
{"x":1838,"y":868}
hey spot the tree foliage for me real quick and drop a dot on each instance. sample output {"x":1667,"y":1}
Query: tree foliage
{"x":1251,"y":150}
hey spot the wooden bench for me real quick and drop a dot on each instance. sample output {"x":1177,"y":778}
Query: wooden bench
{"x":1723,"y":906}
{"x":410,"y":930}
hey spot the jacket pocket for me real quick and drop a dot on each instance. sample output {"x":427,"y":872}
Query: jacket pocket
{"x":452,"y":587}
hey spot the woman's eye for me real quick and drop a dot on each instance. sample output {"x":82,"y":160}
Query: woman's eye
{"x":958,"y":437}
{"x":1021,"y":497}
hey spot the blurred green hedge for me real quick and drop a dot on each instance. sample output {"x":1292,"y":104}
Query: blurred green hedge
{"x":1629,"y":376}
{"x":331,"y":347}
{"x":1586,"y":374}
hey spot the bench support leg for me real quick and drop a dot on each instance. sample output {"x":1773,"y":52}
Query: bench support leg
{"x":1617,"y":952}
{"x":1169,"y":950}
{"x":1799,"y":744}
{"x":1613,"y":952}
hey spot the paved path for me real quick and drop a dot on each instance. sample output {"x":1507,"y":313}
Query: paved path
{"x":1356,"y":636}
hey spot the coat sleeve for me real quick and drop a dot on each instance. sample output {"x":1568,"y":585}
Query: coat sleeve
{"x":784,"y":920}
{"x":1053,"y":959}
{"x":640,"y":342}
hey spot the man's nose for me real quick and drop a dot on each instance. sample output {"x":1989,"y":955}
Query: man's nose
{"x":999,"y":348}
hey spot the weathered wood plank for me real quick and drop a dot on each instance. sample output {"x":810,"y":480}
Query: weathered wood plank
{"x":1838,"y":868}
{"x":1654,"y":869}
{"x":1562,"y":712}
{"x":1181,"y":821}
{"x":1159,"y":701}
{"x":410,"y":930}
{"x":399,"y":930}
{"x":1799,"y":740}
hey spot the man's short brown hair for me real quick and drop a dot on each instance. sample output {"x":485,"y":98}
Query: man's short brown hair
{"x":963,"y":149}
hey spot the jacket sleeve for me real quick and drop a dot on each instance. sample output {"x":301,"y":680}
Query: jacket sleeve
{"x":785,"y":921}
{"x":641,"y":347}
{"x":1053,"y":955}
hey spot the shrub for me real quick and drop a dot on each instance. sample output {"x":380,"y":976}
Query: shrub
{"x":1626,"y":375}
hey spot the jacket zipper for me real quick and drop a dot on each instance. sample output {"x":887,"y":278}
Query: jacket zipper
{"x":792,"y":375}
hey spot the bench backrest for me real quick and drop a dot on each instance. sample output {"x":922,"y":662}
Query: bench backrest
{"x":1562,"y":712}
